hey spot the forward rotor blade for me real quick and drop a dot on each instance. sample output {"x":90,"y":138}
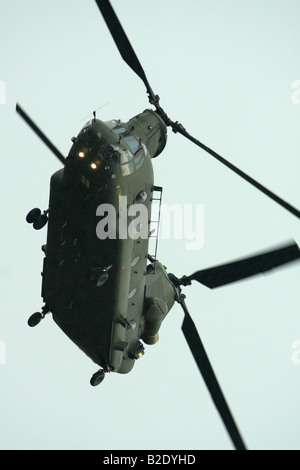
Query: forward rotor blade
{"x":241,"y":269}
{"x":179,"y":128}
{"x":196,"y":346}
{"x":123,"y":44}
{"x":41,"y":135}
{"x":129,"y":56}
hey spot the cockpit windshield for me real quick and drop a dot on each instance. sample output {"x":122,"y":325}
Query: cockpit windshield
{"x":113,"y":123}
{"x":132,"y":142}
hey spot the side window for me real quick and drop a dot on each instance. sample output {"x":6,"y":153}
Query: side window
{"x":133,"y":143}
{"x":120,"y":130}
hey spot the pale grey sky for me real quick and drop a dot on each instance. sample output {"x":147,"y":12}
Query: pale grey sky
{"x":227,"y":70}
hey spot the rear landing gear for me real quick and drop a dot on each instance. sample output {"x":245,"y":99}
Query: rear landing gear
{"x":97,"y":378}
{"x":37,"y":316}
{"x":36,"y":218}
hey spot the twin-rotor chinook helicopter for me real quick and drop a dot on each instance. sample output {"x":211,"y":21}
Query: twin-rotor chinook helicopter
{"x":108,"y":294}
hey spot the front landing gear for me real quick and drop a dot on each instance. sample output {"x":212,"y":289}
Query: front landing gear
{"x":37,"y":316}
{"x":36,"y":218}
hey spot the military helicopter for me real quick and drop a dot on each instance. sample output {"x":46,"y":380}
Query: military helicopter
{"x":103,"y":288}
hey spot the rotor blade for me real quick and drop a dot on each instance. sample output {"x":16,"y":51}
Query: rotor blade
{"x":42,"y":136}
{"x":177,"y":127}
{"x":196,"y":346}
{"x":123,"y":44}
{"x":129,"y":56}
{"x":241,"y":269}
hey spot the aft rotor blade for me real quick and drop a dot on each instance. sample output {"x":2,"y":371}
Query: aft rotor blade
{"x":41,"y":135}
{"x":196,"y":346}
{"x":123,"y":44}
{"x":231,"y":272}
{"x":177,"y":127}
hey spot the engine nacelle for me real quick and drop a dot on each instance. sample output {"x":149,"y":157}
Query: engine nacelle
{"x":155,"y":314}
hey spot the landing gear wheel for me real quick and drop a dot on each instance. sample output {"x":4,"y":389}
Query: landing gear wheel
{"x":98,"y":275}
{"x":35,"y":319}
{"x":33,"y":215}
{"x":38,"y":316}
{"x":101,"y":279}
{"x":40,"y":221}
{"x":97,"y":378}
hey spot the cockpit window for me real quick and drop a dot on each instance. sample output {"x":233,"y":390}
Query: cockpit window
{"x":120,"y":130}
{"x":132,"y":142}
{"x":126,"y":159}
{"x":112,"y":124}
{"x":125,"y":156}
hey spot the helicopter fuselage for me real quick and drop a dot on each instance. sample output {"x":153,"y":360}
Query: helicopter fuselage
{"x":96,"y":281}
